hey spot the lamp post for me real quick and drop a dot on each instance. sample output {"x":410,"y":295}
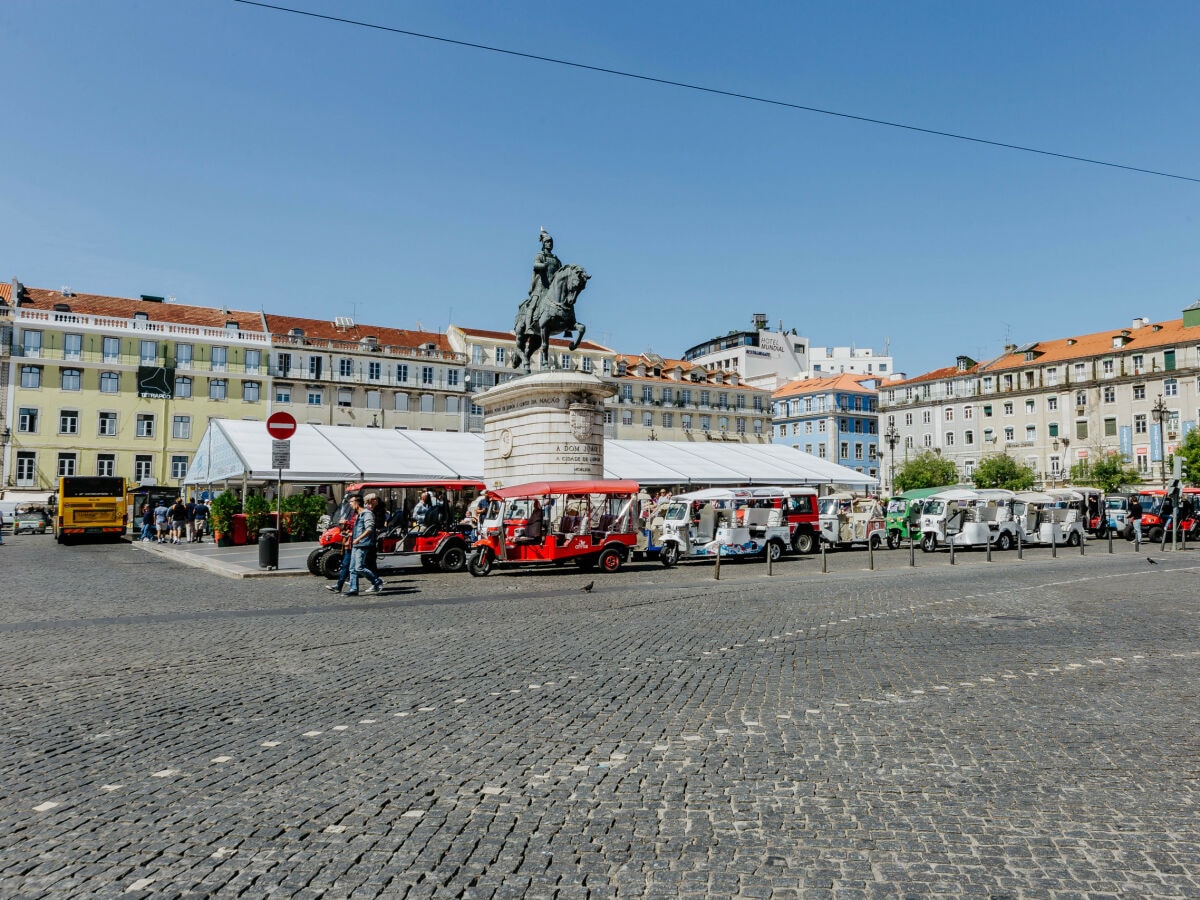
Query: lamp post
{"x":1063,"y":467}
{"x":1159,"y":411}
{"x":892,"y":436}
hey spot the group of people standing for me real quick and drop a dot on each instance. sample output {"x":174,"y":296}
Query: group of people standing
{"x":360,"y":536}
{"x":175,"y":523}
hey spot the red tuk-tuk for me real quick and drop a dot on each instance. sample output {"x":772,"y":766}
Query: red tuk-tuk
{"x":588,"y":523}
{"x":441,"y":542}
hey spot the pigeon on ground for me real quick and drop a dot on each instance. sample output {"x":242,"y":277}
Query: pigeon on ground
{"x":587,"y":588}
{"x":1153,"y":562}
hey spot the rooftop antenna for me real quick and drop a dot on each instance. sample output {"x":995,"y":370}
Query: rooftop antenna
{"x":170,"y":298}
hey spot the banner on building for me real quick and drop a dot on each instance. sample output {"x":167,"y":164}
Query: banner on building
{"x":155,"y":382}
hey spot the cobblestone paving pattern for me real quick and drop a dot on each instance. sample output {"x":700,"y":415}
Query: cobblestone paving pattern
{"x":1005,"y":730}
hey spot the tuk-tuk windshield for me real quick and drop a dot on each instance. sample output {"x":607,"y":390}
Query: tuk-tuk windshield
{"x":897,"y":506}
{"x":1151,"y":503}
{"x":934,"y":507}
{"x":676,"y":510}
{"x":1116,"y":503}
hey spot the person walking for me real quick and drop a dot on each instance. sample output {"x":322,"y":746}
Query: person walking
{"x":1135,"y":518}
{"x":347,"y":529}
{"x":191,"y":520}
{"x":201,"y":521}
{"x":361,"y":538}
{"x":162,"y":513}
{"x":147,"y":522}
{"x":178,"y":520}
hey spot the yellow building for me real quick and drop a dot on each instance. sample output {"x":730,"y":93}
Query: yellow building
{"x":113,"y":386}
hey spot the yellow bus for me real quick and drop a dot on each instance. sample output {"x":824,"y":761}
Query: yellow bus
{"x":91,"y":505}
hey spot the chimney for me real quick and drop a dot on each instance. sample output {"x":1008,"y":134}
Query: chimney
{"x":1009,"y":348}
{"x":1140,"y":322}
{"x":151,"y":298}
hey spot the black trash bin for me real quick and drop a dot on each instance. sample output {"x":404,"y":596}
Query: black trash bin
{"x":268,"y":548}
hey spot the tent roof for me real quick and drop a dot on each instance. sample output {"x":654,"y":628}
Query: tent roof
{"x":233,"y":449}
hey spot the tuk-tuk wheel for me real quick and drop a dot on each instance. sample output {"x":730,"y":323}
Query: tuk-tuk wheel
{"x":453,"y":559}
{"x":480,"y":562}
{"x":669,"y":555}
{"x":610,"y":560}
{"x":928,"y":543}
{"x":893,"y":540}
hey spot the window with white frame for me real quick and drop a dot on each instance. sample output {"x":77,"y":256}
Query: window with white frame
{"x":316,"y":397}
{"x":1080,"y":371}
{"x":253,"y":360}
{"x":145,"y":425}
{"x":106,"y":424}
{"x":949,"y":414}
{"x":1139,"y":423}
{"x":1009,"y":434}
{"x":426,"y":374}
{"x":345,"y":397}
{"x":1107,"y":368}
{"x":148,"y":352}
{"x":68,"y":421}
{"x":220,"y":356}
{"x":1030,"y":406}
{"x":183,"y":356}
{"x":110,"y":382}
{"x":251,"y":391}
{"x":72,"y":379}
{"x":1051,"y":404}
{"x":1030,"y":432}
{"x":66,"y":464}
{"x":626,"y":416}
{"x":1170,"y":388}
{"x":26,"y":468}
{"x":1081,"y":398}
{"x":1139,"y":392}
{"x":72,"y":346}
{"x":183,"y":387}
{"x":345,"y":367}
{"x":283,"y":393}
{"x":106,"y":464}
{"x":401,"y":373}
{"x":949,"y":438}
{"x":111,"y":349}
{"x":181,"y":427}
{"x":31,"y":343}
{"x":968,"y":438}
{"x":374,"y":370}
{"x":179,"y":467}
{"x":218,"y":389}
{"x":143,"y":467}
{"x":27,"y":420}
{"x":927,"y":439}
{"x":501,"y":355}
{"x":1008,"y":408}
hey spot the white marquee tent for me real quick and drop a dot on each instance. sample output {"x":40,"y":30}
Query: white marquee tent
{"x":234,"y":450}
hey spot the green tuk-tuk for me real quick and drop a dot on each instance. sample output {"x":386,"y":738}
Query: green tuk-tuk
{"x":904,"y":515}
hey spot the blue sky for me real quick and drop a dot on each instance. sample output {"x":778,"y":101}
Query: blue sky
{"x":227,"y":154}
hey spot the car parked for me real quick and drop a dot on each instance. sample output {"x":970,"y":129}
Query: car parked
{"x":32,"y":521}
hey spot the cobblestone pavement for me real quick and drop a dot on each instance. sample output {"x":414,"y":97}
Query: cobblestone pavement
{"x":1005,"y":729}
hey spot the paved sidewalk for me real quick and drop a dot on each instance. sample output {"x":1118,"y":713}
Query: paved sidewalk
{"x":233,"y":562}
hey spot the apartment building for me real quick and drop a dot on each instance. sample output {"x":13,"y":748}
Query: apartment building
{"x":833,"y":418}
{"x":673,"y":400}
{"x":343,"y":373}
{"x":112,"y":386}
{"x":1052,"y":404}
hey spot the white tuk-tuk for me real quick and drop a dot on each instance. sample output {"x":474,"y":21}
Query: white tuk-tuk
{"x":1049,"y":518}
{"x":848,"y":520}
{"x":968,"y":518}
{"x":736,"y":522}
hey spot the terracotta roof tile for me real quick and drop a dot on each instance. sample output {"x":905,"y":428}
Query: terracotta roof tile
{"x":846,"y":381}
{"x":554,"y":341}
{"x":321,"y":329}
{"x":1148,"y":337}
{"x":936,"y":375}
{"x":124,"y":308}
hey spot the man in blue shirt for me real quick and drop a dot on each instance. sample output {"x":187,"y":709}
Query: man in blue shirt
{"x":362,"y":537}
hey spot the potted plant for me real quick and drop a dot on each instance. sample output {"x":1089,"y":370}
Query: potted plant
{"x":300,"y":515}
{"x":224,"y":507}
{"x":258,"y":511}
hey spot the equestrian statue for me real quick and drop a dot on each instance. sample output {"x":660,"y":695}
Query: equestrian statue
{"x":550,"y":307}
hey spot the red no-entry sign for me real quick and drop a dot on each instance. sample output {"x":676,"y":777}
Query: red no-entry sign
{"x":281,"y":425}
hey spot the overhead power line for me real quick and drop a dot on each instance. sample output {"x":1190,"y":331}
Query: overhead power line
{"x":717,"y":91}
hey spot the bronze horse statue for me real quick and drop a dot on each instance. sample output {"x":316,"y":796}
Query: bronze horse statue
{"x":550,"y":312}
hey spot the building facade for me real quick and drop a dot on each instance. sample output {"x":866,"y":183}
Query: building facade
{"x":488,"y":357}
{"x":343,"y":373}
{"x":1054,"y":404}
{"x":769,"y":359}
{"x":112,"y":386}
{"x":673,"y":400}
{"x":834,"y":418}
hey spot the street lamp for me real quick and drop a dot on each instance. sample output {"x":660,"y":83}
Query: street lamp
{"x":892,"y":436}
{"x":1159,"y":411}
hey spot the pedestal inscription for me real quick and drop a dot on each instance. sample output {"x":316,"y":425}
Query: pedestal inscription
{"x":548,"y":426}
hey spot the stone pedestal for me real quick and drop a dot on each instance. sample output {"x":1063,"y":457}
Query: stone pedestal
{"x":548,"y":426}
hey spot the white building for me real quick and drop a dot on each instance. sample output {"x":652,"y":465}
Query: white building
{"x":770,"y":359}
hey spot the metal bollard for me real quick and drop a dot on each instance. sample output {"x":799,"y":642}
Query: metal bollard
{"x":1020,"y":546}
{"x":870,"y":554}
{"x":1183,"y":540}
{"x":717,"y":565}
{"x":824,"y":565}
{"x":770,"y":561}
{"x":1054,"y":540}
{"x":1174,"y":536}
{"x":950,"y":541}
{"x":1110,"y":531}
{"x":1082,"y":543}
{"x":989,"y":547}
{"x":912,"y":555}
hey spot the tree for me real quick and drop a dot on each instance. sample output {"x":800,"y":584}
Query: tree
{"x":1189,"y":451}
{"x":999,"y":470}
{"x":1109,"y":473}
{"x":925,"y":470}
